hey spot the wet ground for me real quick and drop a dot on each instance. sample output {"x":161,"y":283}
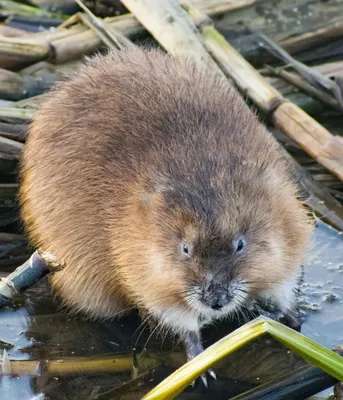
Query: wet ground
{"x":36,"y":330}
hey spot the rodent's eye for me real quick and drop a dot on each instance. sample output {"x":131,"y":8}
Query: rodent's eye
{"x":239,"y":244}
{"x":186,"y":249}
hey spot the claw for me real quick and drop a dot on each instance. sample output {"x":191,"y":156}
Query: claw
{"x":212,"y":374}
{"x":193,"y":348}
{"x":204,"y":381}
{"x":200,"y":382}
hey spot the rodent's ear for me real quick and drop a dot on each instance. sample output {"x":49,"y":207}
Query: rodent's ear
{"x":154,"y":188}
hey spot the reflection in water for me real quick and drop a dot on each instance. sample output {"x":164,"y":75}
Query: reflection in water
{"x":34,"y":329}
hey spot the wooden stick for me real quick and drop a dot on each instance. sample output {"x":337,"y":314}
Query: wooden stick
{"x":215,"y":7}
{"x":288,"y":117}
{"x":14,"y":51}
{"x":16,"y":8}
{"x":77,"y":43}
{"x":311,"y":136}
{"x":316,"y":197}
{"x":314,"y":77}
{"x":84,"y":365}
{"x":15,"y":86}
{"x":35,"y":268}
{"x":16,"y":132}
{"x":305,"y":87}
{"x":112,"y":38}
{"x":11,"y":147}
{"x":168,"y":22}
{"x":66,"y":44}
{"x":316,"y":38}
{"x":20,"y":113}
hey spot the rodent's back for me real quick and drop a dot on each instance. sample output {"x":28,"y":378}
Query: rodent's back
{"x":122,"y":115}
{"x":125,"y":117}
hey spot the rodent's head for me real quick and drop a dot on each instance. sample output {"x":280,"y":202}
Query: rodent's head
{"x":211,"y":245}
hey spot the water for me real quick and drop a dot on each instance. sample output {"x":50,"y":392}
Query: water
{"x":35,"y":329}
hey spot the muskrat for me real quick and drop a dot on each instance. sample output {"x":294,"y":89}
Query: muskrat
{"x":158,"y":188}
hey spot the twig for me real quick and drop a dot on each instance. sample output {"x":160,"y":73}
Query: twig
{"x":13,"y":112}
{"x":38,"y":265}
{"x":84,"y":366}
{"x":13,"y":7}
{"x":320,"y":36}
{"x":316,"y":197}
{"x":221,"y":7}
{"x":304,"y":87}
{"x":314,"y":77}
{"x":169,"y":23}
{"x":14,"y":51}
{"x":113,"y":38}
{"x":11,"y":147}
{"x":288,"y":117}
{"x":63,"y":44}
{"x":16,"y":132}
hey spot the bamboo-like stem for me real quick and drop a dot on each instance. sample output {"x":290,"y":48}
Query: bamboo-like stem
{"x":312,"y":76}
{"x":187,"y":373}
{"x":315,"y":353}
{"x":15,"y":8}
{"x":36,"y":267}
{"x":66,"y":44}
{"x":311,"y":136}
{"x":215,"y":7}
{"x":316,"y":38}
{"x":32,"y":103}
{"x":23,"y":46}
{"x":11,"y":147}
{"x":13,"y":112}
{"x":15,"y":86}
{"x":324,"y":205}
{"x":169,"y":23}
{"x":83,"y":365}
{"x":10,"y":31}
{"x":111,"y":37}
{"x":305,"y":87}
{"x":288,"y":117}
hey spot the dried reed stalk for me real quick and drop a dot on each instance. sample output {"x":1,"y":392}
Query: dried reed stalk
{"x":15,"y":86}
{"x":215,"y":7}
{"x":315,"y":196}
{"x":171,"y":26}
{"x":15,"y":51}
{"x":16,"y":8}
{"x":16,"y":132}
{"x":19,"y":113}
{"x":110,"y":36}
{"x":83,"y":365}
{"x":318,"y":37}
{"x":36,"y":267}
{"x":70,"y":43}
{"x":305,"y":87}
{"x":288,"y":117}
{"x":11,"y":147}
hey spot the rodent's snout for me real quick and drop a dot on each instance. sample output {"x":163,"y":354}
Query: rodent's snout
{"x":216,"y":296}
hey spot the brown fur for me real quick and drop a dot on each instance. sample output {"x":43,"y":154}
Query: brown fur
{"x":139,"y":151}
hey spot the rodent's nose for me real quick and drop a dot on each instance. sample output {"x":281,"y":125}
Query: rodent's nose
{"x":217,"y":306}
{"x":218,"y":300}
